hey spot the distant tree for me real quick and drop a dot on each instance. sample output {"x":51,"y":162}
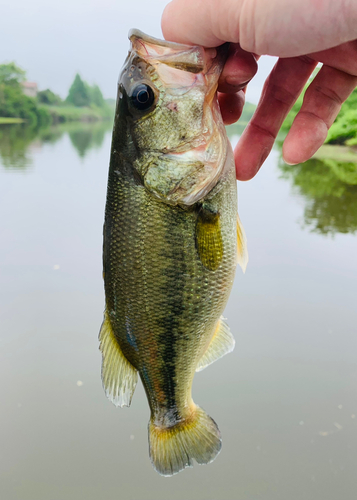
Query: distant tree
{"x":48,"y":97}
{"x":78,"y":94}
{"x":96,"y":96}
{"x":11,"y":75}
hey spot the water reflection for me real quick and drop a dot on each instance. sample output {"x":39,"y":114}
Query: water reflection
{"x":328,"y":186}
{"x":14,"y":145}
{"x":88,"y":136}
{"x":18,"y":141}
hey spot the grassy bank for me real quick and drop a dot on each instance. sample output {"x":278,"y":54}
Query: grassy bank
{"x":64,"y":114}
{"x":6,"y":120}
{"x":61,"y":114}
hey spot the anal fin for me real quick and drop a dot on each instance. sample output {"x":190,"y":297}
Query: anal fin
{"x":119,"y":377}
{"x":222,"y":343}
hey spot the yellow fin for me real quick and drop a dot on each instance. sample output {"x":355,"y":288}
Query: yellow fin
{"x":242,"y":250}
{"x":209,"y":239}
{"x":222,"y":343}
{"x":119,"y":377}
{"x":174,"y":448}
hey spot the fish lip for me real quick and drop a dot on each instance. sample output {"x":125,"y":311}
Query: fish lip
{"x":135,"y":33}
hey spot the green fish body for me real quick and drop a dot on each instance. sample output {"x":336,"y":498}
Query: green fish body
{"x":171,"y":243}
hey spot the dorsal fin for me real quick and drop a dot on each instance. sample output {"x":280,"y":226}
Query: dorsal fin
{"x":222,"y":343}
{"x":119,"y":377}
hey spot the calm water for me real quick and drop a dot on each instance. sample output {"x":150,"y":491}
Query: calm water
{"x":285,"y":400}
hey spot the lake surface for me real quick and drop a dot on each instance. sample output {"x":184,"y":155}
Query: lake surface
{"x":286,"y":398}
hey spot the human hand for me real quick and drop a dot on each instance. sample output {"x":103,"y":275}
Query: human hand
{"x":301,"y":33}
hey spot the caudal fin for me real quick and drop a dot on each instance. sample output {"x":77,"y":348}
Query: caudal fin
{"x":174,"y":448}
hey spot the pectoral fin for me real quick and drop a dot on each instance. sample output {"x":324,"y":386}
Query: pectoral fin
{"x":242,"y":250}
{"x":119,"y":377}
{"x":209,"y":239}
{"x":222,"y":343}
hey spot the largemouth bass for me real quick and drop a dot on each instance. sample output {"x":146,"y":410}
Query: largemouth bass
{"x":171,"y":243}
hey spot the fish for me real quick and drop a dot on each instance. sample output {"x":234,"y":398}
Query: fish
{"x":172,"y":241}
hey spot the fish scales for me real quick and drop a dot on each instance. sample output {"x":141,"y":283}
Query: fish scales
{"x":169,"y":264}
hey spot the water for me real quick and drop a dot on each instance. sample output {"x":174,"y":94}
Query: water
{"x":285,"y":399}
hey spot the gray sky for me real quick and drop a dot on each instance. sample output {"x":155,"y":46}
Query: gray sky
{"x":53,"y":40}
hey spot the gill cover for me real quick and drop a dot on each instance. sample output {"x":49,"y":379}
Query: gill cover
{"x":173,"y":117}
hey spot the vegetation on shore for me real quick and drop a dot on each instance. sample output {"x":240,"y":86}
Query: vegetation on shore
{"x":7,"y":120}
{"x":13,"y":102}
{"x":83,"y":103}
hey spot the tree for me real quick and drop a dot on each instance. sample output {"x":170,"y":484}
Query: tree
{"x":48,"y":97}
{"x":78,"y":94}
{"x":11,"y":75}
{"x":96,"y":96}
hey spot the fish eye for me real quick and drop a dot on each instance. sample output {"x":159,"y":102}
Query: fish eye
{"x":142,"y":97}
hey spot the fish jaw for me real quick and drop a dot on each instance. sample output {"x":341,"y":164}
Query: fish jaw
{"x":183,"y":128}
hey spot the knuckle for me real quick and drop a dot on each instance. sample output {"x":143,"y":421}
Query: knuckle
{"x":329,"y":94}
{"x":281,"y":94}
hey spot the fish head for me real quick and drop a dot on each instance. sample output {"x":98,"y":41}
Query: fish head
{"x":174,"y":129}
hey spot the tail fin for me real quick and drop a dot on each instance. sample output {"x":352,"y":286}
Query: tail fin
{"x":172,"y":449}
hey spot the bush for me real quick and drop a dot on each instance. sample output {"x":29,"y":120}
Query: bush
{"x":48,"y":97}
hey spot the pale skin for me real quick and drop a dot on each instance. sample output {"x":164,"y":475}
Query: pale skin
{"x":301,"y":33}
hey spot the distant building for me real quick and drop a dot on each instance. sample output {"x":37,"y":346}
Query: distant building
{"x":30,"y":88}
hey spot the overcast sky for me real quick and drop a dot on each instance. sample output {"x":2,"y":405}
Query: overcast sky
{"x":53,"y":40}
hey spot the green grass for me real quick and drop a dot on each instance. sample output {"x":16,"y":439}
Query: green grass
{"x":62,"y":114}
{"x":335,"y":152}
{"x":6,"y":119}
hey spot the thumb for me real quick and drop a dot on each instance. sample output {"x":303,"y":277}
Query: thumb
{"x":201,"y":22}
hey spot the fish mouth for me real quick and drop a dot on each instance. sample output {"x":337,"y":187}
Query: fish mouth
{"x":192,"y":58}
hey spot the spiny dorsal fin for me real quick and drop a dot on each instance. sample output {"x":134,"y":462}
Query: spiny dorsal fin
{"x":209,"y":239}
{"x":119,"y":377}
{"x":222,"y":343}
{"x":242,"y":250}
